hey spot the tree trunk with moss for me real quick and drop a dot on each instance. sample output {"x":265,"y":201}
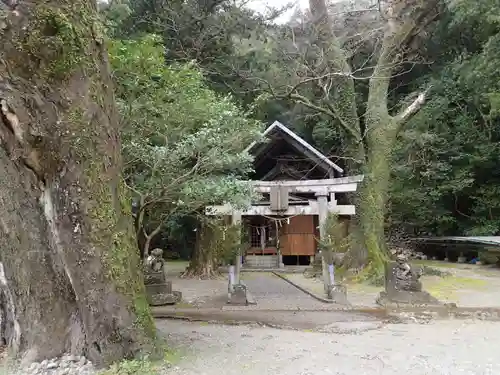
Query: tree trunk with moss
{"x":372,"y":203}
{"x":71,"y":273}
{"x":371,"y":143}
{"x":217,"y":241}
{"x":203,"y":263}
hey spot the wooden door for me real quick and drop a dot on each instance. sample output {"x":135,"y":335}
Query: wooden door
{"x":298,"y":236}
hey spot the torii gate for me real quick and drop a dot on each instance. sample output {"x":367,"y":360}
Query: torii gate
{"x":279,"y":204}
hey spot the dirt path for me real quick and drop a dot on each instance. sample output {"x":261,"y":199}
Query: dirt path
{"x":272,"y":292}
{"x":267,"y":285}
{"x":463,"y":284}
{"x":444,"y":347}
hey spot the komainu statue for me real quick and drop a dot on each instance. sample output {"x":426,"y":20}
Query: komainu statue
{"x":403,"y":285}
{"x":158,"y":289}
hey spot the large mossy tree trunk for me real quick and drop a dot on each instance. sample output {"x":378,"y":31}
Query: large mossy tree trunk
{"x":217,"y":241}
{"x":372,"y":139}
{"x":71,"y":271}
{"x":203,"y":263}
{"x":371,"y":203}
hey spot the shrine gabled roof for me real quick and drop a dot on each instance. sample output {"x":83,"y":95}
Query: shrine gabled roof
{"x":260,"y":147}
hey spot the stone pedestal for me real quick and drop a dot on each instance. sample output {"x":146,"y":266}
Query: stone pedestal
{"x":161,"y":299}
{"x":315,"y":269}
{"x":281,"y":265}
{"x":152,"y":278}
{"x":338,"y":293}
{"x":406,"y":298}
{"x":239,"y":295}
{"x":158,"y":288}
{"x":407,"y":292}
{"x":160,"y":294}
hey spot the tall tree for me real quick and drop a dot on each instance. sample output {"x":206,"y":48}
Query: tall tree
{"x":183,"y":144}
{"x":327,"y":83}
{"x":71,"y":272}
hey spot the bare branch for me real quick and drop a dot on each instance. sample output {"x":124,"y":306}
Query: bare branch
{"x":335,"y":61}
{"x":413,"y":108}
{"x":404,"y":21}
{"x":175,"y":182}
{"x":133,"y":190}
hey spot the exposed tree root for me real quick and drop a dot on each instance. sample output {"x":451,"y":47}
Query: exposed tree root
{"x":202,"y":273}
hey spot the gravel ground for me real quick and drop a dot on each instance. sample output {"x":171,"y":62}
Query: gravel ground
{"x":206,"y":293}
{"x":467,"y":286}
{"x":356,"y":348}
{"x":272,"y":292}
{"x":65,"y":365}
{"x":470,"y":286}
{"x":359,"y":295}
{"x":473,"y":287}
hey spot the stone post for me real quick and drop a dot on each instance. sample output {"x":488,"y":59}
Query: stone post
{"x":230,"y":285}
{"x":236,"y":220}
{"x":322,"y":199}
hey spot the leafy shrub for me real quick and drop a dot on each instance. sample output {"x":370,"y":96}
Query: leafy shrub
{"x":489,"y":258}
{"x":134,"y":367}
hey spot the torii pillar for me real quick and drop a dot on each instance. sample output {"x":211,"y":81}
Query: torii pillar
{"x":236,"y":220}
{"x":322,"y":198}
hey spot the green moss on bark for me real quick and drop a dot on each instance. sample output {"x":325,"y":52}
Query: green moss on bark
{"x":109,"y":208}
{"x":58,"y":70}
{"x":373,"y":198}
{"x":58,"y":44}
{"x":56,"y":39}
{"x":121,"y":258}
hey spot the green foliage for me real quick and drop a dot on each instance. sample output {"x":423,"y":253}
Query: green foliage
{"x":222,"y":241}
{"x":489,"y":257}
{"x":433,"y":271}
{"x":56,"y":43}
{"x":113,"y":14}
{"x":337,"y":240}
{"x":446,"y":172}
{"x":183,"y":144}
{"x":157,"y":363}
{"x":190,"y":30}
{"x":133,"y":367}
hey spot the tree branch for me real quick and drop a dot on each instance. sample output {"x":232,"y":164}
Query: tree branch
{"x":175,"y":182}
{"x":413,"y":108}
{"x":330,"y":111}
{"x":404,"y":22}
{"x":336,"y":61}
{"x":149,"y":238}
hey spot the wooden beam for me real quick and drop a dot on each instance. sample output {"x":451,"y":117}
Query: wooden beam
{"x":310,"y":209}
{"x":323,"y":187}
{"x":324,"y":182}
{"x":280,"y":168}
{"x":291,"y":202}
{"x":312,"y":189}
{"x":317,"y":160}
